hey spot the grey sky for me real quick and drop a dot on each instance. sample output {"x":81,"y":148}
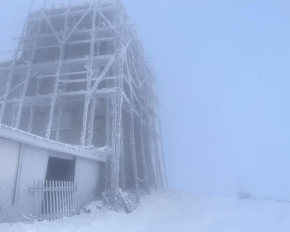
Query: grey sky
{"x":223,"y":79}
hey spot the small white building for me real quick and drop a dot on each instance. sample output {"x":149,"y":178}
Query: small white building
{"x":26,"y":158}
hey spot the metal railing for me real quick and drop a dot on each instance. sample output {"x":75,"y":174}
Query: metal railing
{"x":55,"y":199}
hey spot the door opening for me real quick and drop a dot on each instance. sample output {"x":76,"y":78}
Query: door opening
{"x":60,"y":169}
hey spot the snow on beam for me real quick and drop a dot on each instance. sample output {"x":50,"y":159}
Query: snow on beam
{"x":30,"y":139}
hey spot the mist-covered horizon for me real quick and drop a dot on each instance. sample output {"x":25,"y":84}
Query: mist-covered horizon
{"x":223,"y":79}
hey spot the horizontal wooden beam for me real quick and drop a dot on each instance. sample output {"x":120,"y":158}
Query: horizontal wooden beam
{"x":30,"y":139}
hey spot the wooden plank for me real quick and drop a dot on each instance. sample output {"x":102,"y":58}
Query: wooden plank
{"x":69,"y":199}
{"x":46,"y":199}
{"x":57,"y":199}
{"x":42,"y":198}
{"x":50,"y":200}
{"x":36,"y":199}
{"x":65,"y":199}
{"x":62,"y":199}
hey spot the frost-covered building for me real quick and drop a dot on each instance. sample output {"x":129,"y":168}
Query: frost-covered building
{"x":79,"y":114}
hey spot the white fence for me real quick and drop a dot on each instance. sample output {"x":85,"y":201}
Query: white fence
{"x":55,"y":199}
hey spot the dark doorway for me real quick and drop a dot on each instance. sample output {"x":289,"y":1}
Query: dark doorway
{"x":60,"y":169}
{"x":59,"y":175}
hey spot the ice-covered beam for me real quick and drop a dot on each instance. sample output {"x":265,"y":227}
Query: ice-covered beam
{"x":27,"y":138}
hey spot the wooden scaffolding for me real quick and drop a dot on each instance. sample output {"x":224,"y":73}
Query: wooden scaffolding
{"x":79,"y":76}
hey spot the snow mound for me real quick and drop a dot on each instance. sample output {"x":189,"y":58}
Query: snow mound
{"x":174,"y":212}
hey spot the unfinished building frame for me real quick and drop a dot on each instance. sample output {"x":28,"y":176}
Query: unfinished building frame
{"x":79,"y":77}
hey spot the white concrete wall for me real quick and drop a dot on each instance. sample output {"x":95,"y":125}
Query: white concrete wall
{"x":9,"y":158}
{"x":88,"y":178}
{"x":34,"y":167}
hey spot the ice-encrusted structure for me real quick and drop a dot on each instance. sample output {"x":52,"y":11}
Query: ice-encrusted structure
{"x":79,"y":77}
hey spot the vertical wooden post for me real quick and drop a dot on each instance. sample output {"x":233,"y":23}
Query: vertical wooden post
{"x":57,"y":200}
{"x":89,"y":76}
{"x":50,"y":201}
{"x":118,"y":115}
{"x":143,"y":152}
{"x":60,"y":112}
{"x":32,"y":109}
{"x":46,"y":198}
{"x":58,"y":73}
{"x":92,"y":122}
{"x":62,"y":198}
{"x":132,"y":133}
{"x":122,"y":163}
{"x":36,"y":199}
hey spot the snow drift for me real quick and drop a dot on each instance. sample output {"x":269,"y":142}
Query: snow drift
{"x":174,"y":212}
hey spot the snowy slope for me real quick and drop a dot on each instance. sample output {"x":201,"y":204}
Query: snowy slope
{"x":176,"y":212}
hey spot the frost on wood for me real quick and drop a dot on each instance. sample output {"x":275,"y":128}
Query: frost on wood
{"x":79,"y":78}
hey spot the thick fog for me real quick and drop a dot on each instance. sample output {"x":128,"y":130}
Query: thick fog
{"x":223,"y":79}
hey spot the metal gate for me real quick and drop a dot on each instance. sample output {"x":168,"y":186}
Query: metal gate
{"x":55,"y":199}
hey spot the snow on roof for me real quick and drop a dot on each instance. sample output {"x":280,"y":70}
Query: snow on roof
{"x":34,"y":140}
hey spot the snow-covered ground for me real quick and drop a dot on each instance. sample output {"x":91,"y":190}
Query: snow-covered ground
{"x":175,"y":212}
